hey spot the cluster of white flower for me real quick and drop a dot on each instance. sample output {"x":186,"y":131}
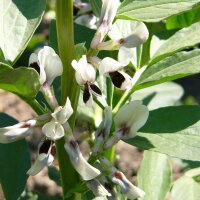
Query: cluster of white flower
{"x":128,"y":120}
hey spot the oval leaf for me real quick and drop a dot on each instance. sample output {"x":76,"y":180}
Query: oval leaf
{"x":14,"y":163}
{"x":173,"y":67}
{"x":153,"y":176}
{"x":153,"y":10}
{"x":186,"y":188}
{"x":19,"y":19}
{"x":186,"y":37}
{"x":21,"y":81}
{"x":174,"y":131}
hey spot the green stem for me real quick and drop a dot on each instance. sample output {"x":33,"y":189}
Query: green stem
{"x":122,"y":100}
{"x":139,"y":55}
{"x":65,"y":34}
{"x":35,"y":106}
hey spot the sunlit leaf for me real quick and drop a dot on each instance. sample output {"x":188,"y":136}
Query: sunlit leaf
{"x":153,"y":10}
{"x":21,"y":81}
{"x":186,"y":37}
{"x":19,"y":20}
{"x":171,"y":68}
{"x":173,"y":130}
{"x":154,"y":175}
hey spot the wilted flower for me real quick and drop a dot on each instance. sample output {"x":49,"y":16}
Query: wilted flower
{"x":108,"y":12}
{"x":54,"y":129}
{"x":85,"y":76}
{"x":87,"y":171}
{"x":45,"y":157}
{"x":117,"y":177}
{"x":97,"y":188}
{"x":47,"y":63}
{"x":131,"y":191}
{"x":128,"y":120}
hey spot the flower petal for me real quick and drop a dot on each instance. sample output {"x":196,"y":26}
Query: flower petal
{"x":121,"y":80}
{"x":131,"y":117}
{"x":87,"y":96}
{"x":16,"y":132}
{"x":62,"y":114}
{"x":131,"y":191}
{"x":88,"y":20}
{"x":53,"y":130}
{"x":42,"y":161}
{"x":44,"y":157}
{"x":108,"y":65}
{"x":33,"y":62}
{"x":84,"y":71}
{"x":95,"y":89}
{"x":124,"y":56}
{"x":138,"y":37}
{"x":50,"y":62}
{"x":86,"y":170}
{"x":108,"y":12}
{"x":97,"y":188}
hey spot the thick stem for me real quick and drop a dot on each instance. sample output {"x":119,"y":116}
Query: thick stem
{"x":65,"y":34}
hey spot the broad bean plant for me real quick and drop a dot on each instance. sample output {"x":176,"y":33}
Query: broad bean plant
{"x":102,"y":65}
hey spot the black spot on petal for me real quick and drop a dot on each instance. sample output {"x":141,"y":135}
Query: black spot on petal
{"x":35,"y":66}
{"x":86,"y":94}
{"x":117,"y":78}
{"x":95,"y":89}
{"x":44,"y":148}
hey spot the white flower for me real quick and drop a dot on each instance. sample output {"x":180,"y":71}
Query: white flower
{"x":87,"y":171}
{"x":88,"y":20}
{"x":108,"y":12}
{"x":128,"y":120}
{"x":45,"y":157}
{"x":125,"y":33}
{"x":54,"y":129}
{"x":111,"y":67}
{"x":47,"y":63}
{"x":97,"y":188}
{"x":131,"y":191}
{"x":117,"y":177}
{"x":16,"y":132}
{"x":85,"y":76}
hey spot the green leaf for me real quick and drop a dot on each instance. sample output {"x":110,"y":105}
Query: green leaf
{"x":182,"y":39}
{"x":173,"y":130}
{"x":96,"y":6}
{"x":153,"y":10}
{"x":19,"y":19}
{"x":14,"y":163}
{"x":184,"y":19}
{"x":80,"y":50}
{"x":54,"y":175}
{"x":186,"y":188}
{"x":21,"y":81}
{"x":154,"y":175}
{"x":162,"y":95}
{"x":171,"y":68}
